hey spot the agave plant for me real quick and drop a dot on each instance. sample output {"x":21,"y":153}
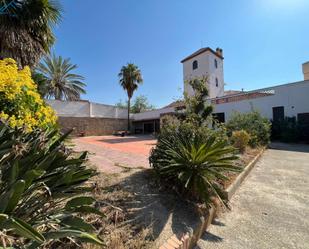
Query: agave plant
{"x":194,"y":164}
{"x":42,"y":190}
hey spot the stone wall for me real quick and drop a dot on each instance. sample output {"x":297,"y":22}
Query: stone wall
{"x":91,"y":126}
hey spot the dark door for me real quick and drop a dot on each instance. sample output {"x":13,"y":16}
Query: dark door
{"x":278,"y":113}
{"x":220,"y":117}
{"x":149,"y":127}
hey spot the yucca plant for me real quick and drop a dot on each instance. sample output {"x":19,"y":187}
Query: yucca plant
{"x":193,"y":164}
{"x":42,"y":190}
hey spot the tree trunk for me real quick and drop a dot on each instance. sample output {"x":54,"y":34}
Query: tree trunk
{"x":129,"y":104}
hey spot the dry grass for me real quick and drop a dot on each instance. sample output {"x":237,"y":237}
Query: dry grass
{"x":119,"y":229}
{"x":243,"y":160}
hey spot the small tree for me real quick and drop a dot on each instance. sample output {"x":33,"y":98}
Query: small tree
{"x":138,"y":105}
{"x":130,"y":77}
{"x":141,"y":104}
{"x":190,"y":156}
{"x":197,"y":110}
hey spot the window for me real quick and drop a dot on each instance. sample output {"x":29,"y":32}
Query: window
{"x":220,"y":117}
{"x":278,"y":113}
{"x":195,"y":65}
{"x":216,"y":63}
{"x":217,"y":82}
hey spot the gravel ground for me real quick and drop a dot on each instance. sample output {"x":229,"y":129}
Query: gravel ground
{"x":271,"y":209}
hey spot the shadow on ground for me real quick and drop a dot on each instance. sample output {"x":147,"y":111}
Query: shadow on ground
{"x":165,"y":212}
{"x":117,"y":140}
{"x":211,"y":238}
{"x":289,"y":147}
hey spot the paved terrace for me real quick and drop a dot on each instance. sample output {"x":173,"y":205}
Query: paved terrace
{"x":271,"y":208}
{"x":111,"y":153}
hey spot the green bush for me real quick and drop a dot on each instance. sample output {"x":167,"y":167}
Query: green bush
{"x":42,"y":190}
{"x":240,"y":140}
{"x":258,"y":127}
{"x":193,"y":152}
{"x":193,"y":164}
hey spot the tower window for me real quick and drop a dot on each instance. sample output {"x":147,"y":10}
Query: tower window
{"x":217,"y":82}
{"x":216,"y":63}
{"x":195,"y":65}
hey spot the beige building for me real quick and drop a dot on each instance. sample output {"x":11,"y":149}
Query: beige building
{"x":306,"y":70}
{"x":205,"y":63}
{"x":275,"y":103}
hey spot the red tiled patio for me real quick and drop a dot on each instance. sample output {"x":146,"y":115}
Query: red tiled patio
{"x":111,"y":154}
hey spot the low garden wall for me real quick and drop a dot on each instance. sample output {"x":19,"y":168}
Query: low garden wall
{"x":91,"y":126}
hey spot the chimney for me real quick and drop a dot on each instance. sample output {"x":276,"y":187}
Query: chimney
{"x":306,"y":70}
{"x":219,"y":51}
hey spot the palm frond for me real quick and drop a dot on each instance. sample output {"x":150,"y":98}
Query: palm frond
{"x":60,"y":83}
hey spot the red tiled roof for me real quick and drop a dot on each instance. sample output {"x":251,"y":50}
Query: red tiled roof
{"x":200,"y":51}
{"x":240,"y":97}
{"x":231,"y":92}
{"x":177,"y":103}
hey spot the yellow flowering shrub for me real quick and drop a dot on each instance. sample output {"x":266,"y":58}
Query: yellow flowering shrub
{"x":20,"y":102}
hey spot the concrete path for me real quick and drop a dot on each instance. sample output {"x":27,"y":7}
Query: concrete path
{"x":271,"y":208}
{"x":111,"y":154}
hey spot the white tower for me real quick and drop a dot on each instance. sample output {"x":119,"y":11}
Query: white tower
{"x":205,"y":63}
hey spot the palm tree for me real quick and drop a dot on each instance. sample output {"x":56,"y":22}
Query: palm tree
{"x":26,"y":29}
{"x":130,"y":77}
{"x":56,"y":80}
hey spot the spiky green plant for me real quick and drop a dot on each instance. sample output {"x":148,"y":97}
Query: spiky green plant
{"x":193,"y":164}
{"x":42,"y":190}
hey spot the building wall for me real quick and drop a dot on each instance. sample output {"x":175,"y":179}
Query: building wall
{"x":294,"y":97}
{"x":70,"y":108}
{"x":107,"y":111}
{"x":206,"y":67}
{"x":91,"y":126}
{"x":86,"y":109}
{"x":154,"y":114}
{"x":306,"y":70}
{"x":90,"y":119}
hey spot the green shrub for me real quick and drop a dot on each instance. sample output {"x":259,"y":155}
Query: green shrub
{"x":240,"y":140}
{"x":258,"y":127}
{"x":192,"y":163}
{"x":42,"y":191}
{"x":192,"y":154}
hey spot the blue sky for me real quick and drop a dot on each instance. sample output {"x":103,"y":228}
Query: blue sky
{"x":264,"y":42}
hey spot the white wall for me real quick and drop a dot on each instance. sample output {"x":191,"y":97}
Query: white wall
{"x":206,"y":67}
{"x":154,"y":114}
{"x":86,"y":109}
{"x":70,"y":108}
{"x":294,"y":97}
{"x":107,"y":111}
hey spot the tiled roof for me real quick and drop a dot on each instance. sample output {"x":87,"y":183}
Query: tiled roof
{"x":175,"y":104}
{"x":231,"y":92}
{"x":200,"y":51}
